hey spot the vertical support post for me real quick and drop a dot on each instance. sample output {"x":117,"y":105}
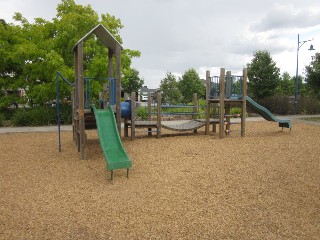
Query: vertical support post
{"x":118,"y":88}
{"x":126,"y":131}
{"x":81,"y":100}
{"x":207,"y":102}
{"x":110,"y":73}
{"x":221,"y":114}
{"x":149,"y":113}
{"x":228,"y":95}
{"x":133,"y":112}
{"x":158,"y":114}
{"x":244,"y":102}
{"x":75,"y":104}
{"x":228,"y":84}
{"x":195,"y":109}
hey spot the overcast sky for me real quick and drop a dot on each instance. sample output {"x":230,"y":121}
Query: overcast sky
{"x":175,"y":35}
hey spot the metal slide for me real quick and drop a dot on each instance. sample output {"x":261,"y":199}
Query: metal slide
{"x":110,"y":142}
{"x":266,"y":114}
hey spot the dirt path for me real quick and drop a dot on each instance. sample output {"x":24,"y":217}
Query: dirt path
{"x":263,"y":186}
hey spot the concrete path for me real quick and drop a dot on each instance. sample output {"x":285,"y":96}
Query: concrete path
{"x":294,"y":118}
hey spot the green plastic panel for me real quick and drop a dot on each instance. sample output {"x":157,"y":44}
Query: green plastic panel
{"x":110,"y":142}
{"x":266,"y":114}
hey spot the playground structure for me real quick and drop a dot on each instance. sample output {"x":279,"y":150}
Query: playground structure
{"x":108,"y":119}
{"x":158,"y":124}
{"x":222,"y":93}
{"x":214,"y":86}
{"x":226,"y":90}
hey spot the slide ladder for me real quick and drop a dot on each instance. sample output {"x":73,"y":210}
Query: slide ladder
{"x":266,"y":114}
{"x":110,"y":142}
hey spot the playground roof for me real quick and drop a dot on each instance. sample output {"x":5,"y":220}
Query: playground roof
{"x":104,"y":35}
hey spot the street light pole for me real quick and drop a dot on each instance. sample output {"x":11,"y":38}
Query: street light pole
{"x":299,"y":45}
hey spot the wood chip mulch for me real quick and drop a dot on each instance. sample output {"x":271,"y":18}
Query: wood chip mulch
{"x":181,"y":186}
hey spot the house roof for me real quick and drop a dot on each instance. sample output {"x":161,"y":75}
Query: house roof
{"x":104,"y":35}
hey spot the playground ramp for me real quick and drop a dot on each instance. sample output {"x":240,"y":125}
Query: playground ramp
{"x":266,"y":114}
{"x":110,"y":142}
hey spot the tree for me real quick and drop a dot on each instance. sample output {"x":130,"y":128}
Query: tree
{"x":263,"y":74}
{"x":190,"y":83}
{"x":132,"y":82}
{"x":286,"y":85}
{"x":31,"y":53}
{"x":313,"y":76}
{"x":169,"y":88}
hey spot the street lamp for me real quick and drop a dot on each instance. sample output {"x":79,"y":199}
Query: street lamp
{"x":297,"y":77}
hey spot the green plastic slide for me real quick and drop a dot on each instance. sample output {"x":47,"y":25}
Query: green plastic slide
{"x":110,"y":142}
{"x":266,"y":114}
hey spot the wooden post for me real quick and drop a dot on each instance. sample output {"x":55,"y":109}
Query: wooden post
{"x":118,"y":88}
{"x":133,"y":113}
{"x":228,"y":95}
{"x":75,"y":101}
{"x":207,"y":102}
{"x":195,"y":109}
{"x":244,"y":102}
{"x":110,"y":75}
{"x":221,"y":114}
{"x":228,"y":84}
{"x":81,"y":100}
{"x":149,"y":113}
{"x":158,"y":114}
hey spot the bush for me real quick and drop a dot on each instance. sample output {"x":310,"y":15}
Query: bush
{"x":33,"y":117}
{"x":277,"y":104}
{"x":142,"y":113}
{"x":235,"y":110}
{"x":308,"y":105}
{"x":2,"y":119}
{"x":42,"y":116}
{"x":65,"y":114}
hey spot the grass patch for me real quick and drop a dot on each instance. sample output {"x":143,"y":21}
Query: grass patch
{"x":313,"y":119}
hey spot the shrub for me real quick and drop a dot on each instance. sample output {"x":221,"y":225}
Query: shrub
{"x":277,"y":104}
{"x":1,"y":120}
{"x":65,"y":114}
{"x":308,"y":105}
{"x":33,"y":117}
{"x":142,"y":113}
{"x":235,"y":110}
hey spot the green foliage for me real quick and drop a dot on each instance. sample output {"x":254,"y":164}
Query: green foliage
{"x":308,"y":105}
{"x":286,"y":85}
{"x":170,"y":90}
{"x":132,"y":82}
{"x":32,"y":117}
{"x":2,"y":119}
{"x":263,"y":74}
{"x":142,"y":112}
{"x":42,"y":116}
{"x":31,"y":53}
{"x":278,"y":104}
{"x":313,"y":76}
{"x":190,"y":83}
{"x":235,"y":110}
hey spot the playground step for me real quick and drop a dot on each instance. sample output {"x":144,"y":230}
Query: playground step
{"x":90,"y":120}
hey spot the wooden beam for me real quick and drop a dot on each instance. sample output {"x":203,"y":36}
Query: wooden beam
{"x":244,"y":102}
{"x":207,"y":102}
{"x":118,"y":88}
{"x":81,"y":100}
{"x":158,"y":114}
{"x":133,"y":119}
{"x":221,"y":113}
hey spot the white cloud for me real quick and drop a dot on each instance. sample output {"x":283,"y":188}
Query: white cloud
{"x":176,"y":35}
